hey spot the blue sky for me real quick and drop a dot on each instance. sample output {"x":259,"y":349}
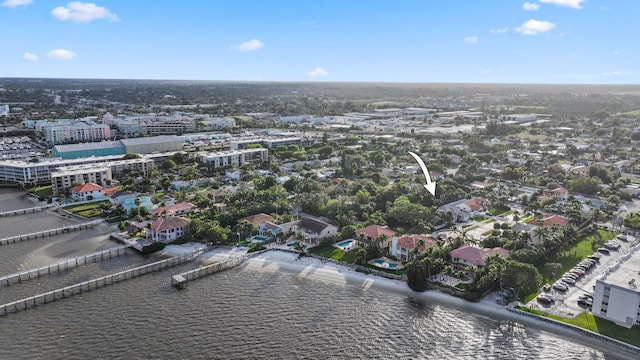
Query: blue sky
{"x":492,"y":41}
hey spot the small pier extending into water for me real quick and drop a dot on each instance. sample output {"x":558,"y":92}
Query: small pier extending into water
{"x":64,"y":265}
{"x":45,"y":233}
{"x":85,"y":286}
{"x":26,"y":211}
{"x":180,"y":280}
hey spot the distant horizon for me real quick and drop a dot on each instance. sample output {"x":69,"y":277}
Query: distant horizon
{"x":313,"y":81}
{"x":372,"y":41}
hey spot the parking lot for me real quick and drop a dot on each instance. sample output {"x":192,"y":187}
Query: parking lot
{"x":566,"y":302}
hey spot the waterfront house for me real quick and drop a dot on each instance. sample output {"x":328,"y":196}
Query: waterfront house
{"x":257,"y":219}
{"x":468,"y":255}
{"x":402,"y":246}
{"x":313,"y":230}
{"x":87,"y":192}
{"x":372,"y":232}
{"x":167,"y":229}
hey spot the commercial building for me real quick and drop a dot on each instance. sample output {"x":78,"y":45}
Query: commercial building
{"x":146,"y":145}
{"x":617,"y":296}
{"x":235,"y":158}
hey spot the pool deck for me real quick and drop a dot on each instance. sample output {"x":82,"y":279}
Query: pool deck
{"x":386,"y":259}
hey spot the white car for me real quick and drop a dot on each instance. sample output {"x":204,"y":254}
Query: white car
{"x":560,"y":287}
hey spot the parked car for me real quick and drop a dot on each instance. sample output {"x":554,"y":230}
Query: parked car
{"x":546,"y":287}
{"x":544,"y":300}
{"x":568,"y":280}
{"x":604,"y":250}
{"x":560,"y":286}
{"x":622,"y":237}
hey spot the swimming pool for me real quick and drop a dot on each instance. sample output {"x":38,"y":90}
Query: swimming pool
{"x":345,"y":245}
{"x":258,"y":238}
{"x":383,"y":264}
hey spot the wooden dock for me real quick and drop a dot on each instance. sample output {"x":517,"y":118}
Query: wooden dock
{"x":26,"y":211}
{"x":45,"y":233}
{"x":64,"y":265}
{"x":85,"y":286}
{"x":180,"y":280}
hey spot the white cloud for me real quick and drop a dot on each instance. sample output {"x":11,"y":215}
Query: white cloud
{"x":530,"y":6}
{"x":471,"y":39}
{"x":14,"y":3}
{"x":317,"y":72}
{"x":533,"y":27}
{"x":612,"y":73}
{"x":79,"y":12}
{"x":251,"y":45}
{"x":575,"y":4}
{"x":61,"y":54}
{"x":499,"y":31}
{"x":30,"y":57}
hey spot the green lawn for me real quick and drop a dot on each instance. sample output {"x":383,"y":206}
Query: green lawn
{"x":43,"y":192}
{"x":497,"y":210}
{"x":332,"y":252}
{"x":479,"y":218}
{"x":87,"y":210}
{"x":598,"y":325}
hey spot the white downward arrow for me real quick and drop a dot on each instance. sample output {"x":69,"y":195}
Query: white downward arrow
{"x":430,"y":186}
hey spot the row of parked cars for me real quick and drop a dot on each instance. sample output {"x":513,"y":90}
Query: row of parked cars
{"x":585,"y":300}
{"x":612,"y":245}
{"x":576,"y":273}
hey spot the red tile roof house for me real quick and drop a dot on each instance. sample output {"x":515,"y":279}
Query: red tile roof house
{"x":468,"y":255}
{"x":401,"y":246}
{"x":257,"y":219}
{"x":167,"y":229}
{"x":87,"y":192}
{"x":367,"y":234}
{"x":174,"y":209}
{"x":560,"y":194}
{"x":550,"y":220}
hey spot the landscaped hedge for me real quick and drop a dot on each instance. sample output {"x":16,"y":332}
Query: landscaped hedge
{"x":156,"y":246}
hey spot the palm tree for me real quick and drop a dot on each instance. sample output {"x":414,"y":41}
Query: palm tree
{"x":137,"y":202}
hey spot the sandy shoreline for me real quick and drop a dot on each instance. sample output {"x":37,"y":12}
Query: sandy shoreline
{"x":325,"y":271}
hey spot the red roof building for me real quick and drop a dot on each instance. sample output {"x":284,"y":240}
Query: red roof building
{"x":402,"y":246}
{"x":550,"y":220}
{"x":372,"y":232}
{"x":468,"y":255}
{"x":166,"y":229}
{"x":257,"y":219}
{"x":477,"y":204}
{"x":175,"y":209}
{"x":87,"y":192}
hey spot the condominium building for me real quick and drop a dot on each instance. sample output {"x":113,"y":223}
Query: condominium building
{"x":63,"y":178}
{"x":64,"y":131}
{"x":617,"y":295}
{"x":100,"y":173}
{"x":234,"y":158}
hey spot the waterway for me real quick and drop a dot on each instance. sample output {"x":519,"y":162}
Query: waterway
{"x":242,"y":313}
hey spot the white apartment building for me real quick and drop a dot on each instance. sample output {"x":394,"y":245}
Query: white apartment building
{"x":63,"y":131}
{"x":40,"y":171}
{"x":234,"y":158}
{"x":100,"y":173}
{"x":64,"y":177}
{"x":216,"y":124}
{"x":617,"y":292}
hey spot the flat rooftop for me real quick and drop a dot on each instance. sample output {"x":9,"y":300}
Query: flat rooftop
{"x":626,"y":272}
